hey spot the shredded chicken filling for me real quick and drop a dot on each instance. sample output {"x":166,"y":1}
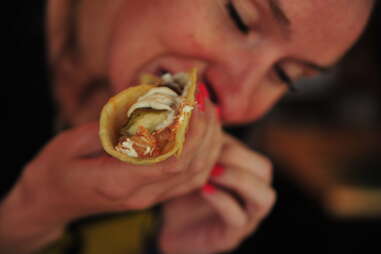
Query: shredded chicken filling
{"x":153,"y":120}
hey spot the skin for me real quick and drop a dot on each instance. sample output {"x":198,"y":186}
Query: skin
{"x":118,"y":40}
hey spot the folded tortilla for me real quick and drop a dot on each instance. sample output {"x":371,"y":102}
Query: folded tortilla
{"x":146,"y":124}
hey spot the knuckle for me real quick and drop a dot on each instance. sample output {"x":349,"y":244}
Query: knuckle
{"x":175,"y":192}
{"x":230,"y":245}
{"x":200,"y":180}
{"x":268,"y":203}
{"x":110,"y":190}
{"x":200,"y":165}
{"x":267,"y":169}
{"x":197,"y":167}
{"x":109,"y":193}
{"x":272,"y":199}
{"x":172,"y":167}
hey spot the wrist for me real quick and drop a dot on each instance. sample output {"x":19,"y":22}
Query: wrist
{"x":26,"y":225}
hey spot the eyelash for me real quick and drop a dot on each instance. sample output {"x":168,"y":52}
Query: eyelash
{"x":284,"y":78}
{"x":236,"y":18}
{"x":245,"y":29}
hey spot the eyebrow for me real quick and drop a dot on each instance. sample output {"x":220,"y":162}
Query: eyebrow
{"x":281,"y":18}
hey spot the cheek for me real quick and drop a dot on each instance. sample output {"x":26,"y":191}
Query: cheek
{"x":134,"y":41}
{"x":187,"y":28}
{"x":266,"y":97}
{"x":251,"y":107}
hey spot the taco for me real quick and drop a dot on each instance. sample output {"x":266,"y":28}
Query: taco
{"x":146,"y":124}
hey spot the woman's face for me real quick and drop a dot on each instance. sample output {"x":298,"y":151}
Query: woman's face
{"x":247,"y":51}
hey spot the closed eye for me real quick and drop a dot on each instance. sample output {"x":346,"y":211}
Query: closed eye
{"x":236,"y":18}
{"x":284,"y":78}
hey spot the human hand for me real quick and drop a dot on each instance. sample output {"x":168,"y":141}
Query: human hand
{"x":72,"y":177}
{"x":227,"y":209}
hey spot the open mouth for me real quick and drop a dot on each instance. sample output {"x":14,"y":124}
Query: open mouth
{"x":212,"y":93}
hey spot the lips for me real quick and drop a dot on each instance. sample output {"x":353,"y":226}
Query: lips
{"x":211,"y":91}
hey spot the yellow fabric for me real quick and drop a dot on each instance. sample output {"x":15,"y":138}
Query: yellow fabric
{"x":59,"y":246}
{"x":115,"y":235}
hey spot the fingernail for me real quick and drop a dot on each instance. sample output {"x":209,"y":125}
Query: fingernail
{"x":203,"y":90}
{"x":200,"y":101}
{"x":208,"y":188}
{"x":200,"y":96}
{"x":218,"y":170}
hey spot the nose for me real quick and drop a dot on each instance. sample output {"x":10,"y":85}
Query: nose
{"x":240,"y":77}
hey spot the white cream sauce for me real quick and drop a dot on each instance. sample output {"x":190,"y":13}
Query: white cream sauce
{"x":159,"y":98}
{"x":127,"y":148}
{"x":163,"y":98}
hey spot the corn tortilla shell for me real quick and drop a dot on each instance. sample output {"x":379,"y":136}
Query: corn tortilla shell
{"x":114,"y":117}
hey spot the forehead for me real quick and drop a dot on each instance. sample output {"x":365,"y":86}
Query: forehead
{"x":325,"y":28}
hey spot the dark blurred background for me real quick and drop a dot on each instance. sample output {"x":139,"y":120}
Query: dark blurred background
{"x":324,"y":141}
{"x":25,"y":88}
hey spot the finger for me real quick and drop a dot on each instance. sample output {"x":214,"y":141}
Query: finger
{"x":236,"y":154}
{"x":257,"y":195}
{"x":110,"y":176}
{"x":197,"y":131}
{"x":199,"y":171}
{"x":189,"y":179}
{"x":185,"y":185}
{"x":80,"y":141}
{"x":202,"y":163}
{"x":202,"y":124}
{"x":225,"y":205}
{"x":211,"y":145}
{"x":148,"y":184}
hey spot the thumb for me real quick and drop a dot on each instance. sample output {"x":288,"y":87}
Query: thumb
{"x":82,"y":140}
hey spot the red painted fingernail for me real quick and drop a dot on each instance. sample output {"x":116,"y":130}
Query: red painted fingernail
{"x":200,"y":101}
{"x":202,"y":88}
{"x":200,"y":98}
{"x":218,"y":170}
{"x":208,"y":188}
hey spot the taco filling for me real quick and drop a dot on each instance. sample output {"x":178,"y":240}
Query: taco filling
{"x":152,"y":121}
